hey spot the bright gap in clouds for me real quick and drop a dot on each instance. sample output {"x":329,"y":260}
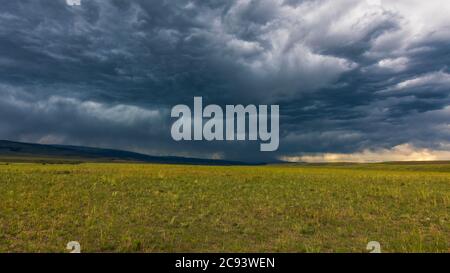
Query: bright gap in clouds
{"x":404,"y":152}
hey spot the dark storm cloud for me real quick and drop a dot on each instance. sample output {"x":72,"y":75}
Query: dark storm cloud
{"x":348,"y":75}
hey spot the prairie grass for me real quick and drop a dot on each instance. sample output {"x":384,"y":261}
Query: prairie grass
{"x":172,"y":208}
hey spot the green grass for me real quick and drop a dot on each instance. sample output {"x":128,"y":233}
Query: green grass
{"x":169,"y":208}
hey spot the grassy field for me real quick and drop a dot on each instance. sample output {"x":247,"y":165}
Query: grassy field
{"x":171,"y":208}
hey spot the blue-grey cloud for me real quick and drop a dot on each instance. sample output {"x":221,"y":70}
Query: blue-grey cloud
{"x":348,"y":75}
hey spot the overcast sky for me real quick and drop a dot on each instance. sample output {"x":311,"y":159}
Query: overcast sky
{"x":355,"y":80}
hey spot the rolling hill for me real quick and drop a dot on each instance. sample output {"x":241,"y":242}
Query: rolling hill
{"x":30,"y":152}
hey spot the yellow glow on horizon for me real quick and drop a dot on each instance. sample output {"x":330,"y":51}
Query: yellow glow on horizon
{"x":404,"y":152}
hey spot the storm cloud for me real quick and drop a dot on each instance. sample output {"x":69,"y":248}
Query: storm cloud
{"x":358,"y":79}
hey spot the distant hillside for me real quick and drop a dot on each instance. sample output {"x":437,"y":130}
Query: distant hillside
{"x":24,"y":152}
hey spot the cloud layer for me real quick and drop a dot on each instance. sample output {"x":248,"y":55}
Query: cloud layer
{"x":350,"y":76}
